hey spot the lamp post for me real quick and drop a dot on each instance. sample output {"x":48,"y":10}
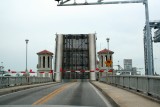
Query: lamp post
{"x":108,"y":44}
{"x":108,"y":53}
{"x":108,"y":49}
{"x":26,"y":57}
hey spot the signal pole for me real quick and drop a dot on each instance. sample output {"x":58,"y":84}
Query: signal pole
{"x":149,"y":52}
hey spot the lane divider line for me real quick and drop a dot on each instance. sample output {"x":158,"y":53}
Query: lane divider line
{"x":108,"y":104}
{"x":52,"y":94}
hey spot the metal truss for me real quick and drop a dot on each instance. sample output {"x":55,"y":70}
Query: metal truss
{"x":154,"y":25}
{"x":99,"y":2}
{"x":146,"y":55}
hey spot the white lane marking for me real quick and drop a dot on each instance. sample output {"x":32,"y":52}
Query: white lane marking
{"x":108,"y":104}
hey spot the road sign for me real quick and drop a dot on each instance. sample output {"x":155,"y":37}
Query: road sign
{"x":108,"y":63}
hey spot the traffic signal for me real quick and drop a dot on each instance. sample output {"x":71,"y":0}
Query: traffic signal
{"x":58,"y":0}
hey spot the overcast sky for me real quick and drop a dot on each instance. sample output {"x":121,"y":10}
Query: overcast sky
{"x":40,"y":20}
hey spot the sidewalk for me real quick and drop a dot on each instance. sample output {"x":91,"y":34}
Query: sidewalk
{"x":22,"y":87}
{"x":125,"y":98}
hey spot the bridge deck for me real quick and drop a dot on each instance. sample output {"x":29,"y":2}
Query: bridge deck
{"x":122,"y":97}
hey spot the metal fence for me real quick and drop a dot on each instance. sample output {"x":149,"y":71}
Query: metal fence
{"x":149,"y":85}
{"x":13,"y":81}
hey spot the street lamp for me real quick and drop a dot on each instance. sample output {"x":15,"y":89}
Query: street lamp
{"x":108,"y":49}
{"x":108,"y":44}
{"x":26,"y":56}
{"x":108,"y":57}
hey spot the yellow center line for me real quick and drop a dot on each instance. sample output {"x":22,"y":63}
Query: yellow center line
{"x":52,"y":94}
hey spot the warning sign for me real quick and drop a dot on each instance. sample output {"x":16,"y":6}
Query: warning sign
{"x":108,"y":63}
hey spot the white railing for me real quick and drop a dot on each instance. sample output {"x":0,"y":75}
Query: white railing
{"x":149,"y":85}
{"x":13,"y":81}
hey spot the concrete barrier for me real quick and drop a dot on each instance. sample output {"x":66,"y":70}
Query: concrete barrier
{"x":149,"y":85}
{"x":15,"y":81}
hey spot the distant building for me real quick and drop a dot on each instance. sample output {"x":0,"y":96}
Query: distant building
{"x":105,"y":55}
{"x":128,"y":69}
{"x":44,"y":65}
{"x":127,"y":64}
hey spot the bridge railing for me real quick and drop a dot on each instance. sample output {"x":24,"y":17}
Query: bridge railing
{"x":149,"y":85}
{"x":13,"y":81}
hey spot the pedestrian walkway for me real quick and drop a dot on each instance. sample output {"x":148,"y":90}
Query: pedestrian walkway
{"x":125,"y":98}
{"x":22,"y":87}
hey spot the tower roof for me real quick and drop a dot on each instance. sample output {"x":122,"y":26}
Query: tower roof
{"x":45,"y":52}
{"x":105,"y":51}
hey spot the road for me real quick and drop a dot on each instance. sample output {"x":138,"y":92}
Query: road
{"x":72,"y":93}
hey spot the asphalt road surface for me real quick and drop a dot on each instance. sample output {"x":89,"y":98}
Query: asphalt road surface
{"x":61,"y":94}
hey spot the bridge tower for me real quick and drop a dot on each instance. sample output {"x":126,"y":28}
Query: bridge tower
{"x":44,"y":65}
{"x":104,"y":56}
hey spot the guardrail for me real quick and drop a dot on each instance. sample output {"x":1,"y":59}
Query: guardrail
{"x":13,"y":81}
{"x":149,"y":85}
